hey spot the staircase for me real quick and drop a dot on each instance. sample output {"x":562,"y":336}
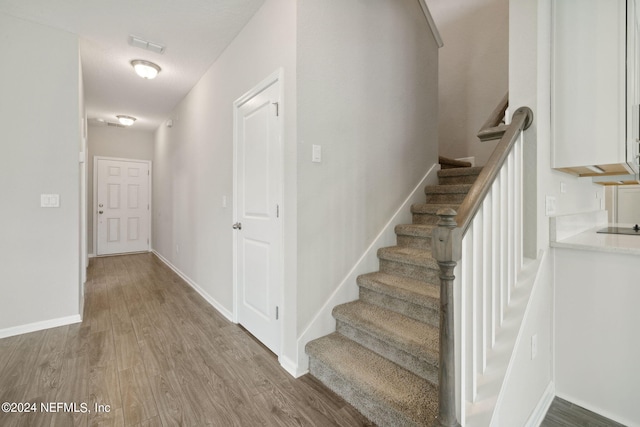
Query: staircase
{"x":383,"y":357}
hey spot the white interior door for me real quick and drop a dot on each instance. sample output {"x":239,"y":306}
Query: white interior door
{"x":122,"y":206}
{"x":258,"y":155}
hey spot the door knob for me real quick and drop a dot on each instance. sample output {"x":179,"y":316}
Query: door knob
{"x":100,"y":212}
{"x":237,"y":226}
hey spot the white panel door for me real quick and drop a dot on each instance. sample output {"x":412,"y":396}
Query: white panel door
{"x":259,"y":235}
{"x":122,"y":207}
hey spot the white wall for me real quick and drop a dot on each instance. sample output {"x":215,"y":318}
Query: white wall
{"x":474,"y":65}
{"x":530,"y":85}
{"x":40,"y":121}
{"x":82,"y":190}
{"x":193,"y":167}
{"x":106,"y":141}
{"x":360,"y":80}
{"x":367,"y":93}
{"x":596,"y":338}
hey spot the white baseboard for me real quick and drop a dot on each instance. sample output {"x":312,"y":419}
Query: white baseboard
{"x":538,"y":414}
{"x":287,"y":364}
{"x":290,"y":366}
{"x":39,"y":326}
{"x":597,"y":410}
{"x":215,"y":304}
{"x":323,"y":323}
{"x":91,"y":255}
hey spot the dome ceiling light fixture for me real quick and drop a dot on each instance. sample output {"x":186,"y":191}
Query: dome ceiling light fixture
{"x":145,"y":69}
{"x":126,"y":120}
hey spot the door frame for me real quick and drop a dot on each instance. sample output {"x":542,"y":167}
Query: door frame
{"x":275,"y":77}
{"x":95,"y":197}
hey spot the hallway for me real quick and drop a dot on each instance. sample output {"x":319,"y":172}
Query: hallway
{"x":152,"y":352}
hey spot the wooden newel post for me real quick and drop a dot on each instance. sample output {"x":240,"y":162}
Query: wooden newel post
{"x":447,"y":250}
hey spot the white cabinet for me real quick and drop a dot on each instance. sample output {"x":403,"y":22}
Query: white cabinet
{"x":595,"y":87}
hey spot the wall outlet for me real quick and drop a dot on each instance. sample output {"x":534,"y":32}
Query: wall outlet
{"x":534,"y":346}
{"x":49,"y":200}
{"x":316,"y":153}
{"x":550,"y":206}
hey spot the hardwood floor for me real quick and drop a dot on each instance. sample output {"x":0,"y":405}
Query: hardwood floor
{"x":566,"y":414}
{"x":158,"y":355}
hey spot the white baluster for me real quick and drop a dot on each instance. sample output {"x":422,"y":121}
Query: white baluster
{"x":511,"y":274}
{"x":467,"y":309}
{"x":504,"y":216}
{"x":478,"y":297}
{"x":495,"y":256}
{"x":487,"y":279}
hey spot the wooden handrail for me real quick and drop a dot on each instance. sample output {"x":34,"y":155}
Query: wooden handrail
{"x":522,"y":119}
{"x":494,"y":127}
{"x":447,"y":249}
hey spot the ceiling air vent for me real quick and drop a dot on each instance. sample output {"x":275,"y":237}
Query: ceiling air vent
{"x":146,"y":45}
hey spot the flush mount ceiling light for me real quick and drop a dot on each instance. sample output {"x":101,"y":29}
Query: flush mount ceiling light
{"x":145,"y":69}
{"x":126,"y":120}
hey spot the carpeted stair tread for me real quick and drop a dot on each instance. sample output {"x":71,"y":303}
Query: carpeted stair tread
{"x":432,"y":208}
{"x":451,"y":193}
{"x":416,"y":230}
{"x":384,"y":392}
{"x":426,"y":213}
{"x":448,"y":189}
{"x":416,"y":338}
{"x":404,"y":288}
{"x":459,"y":171}
{"x":447,"y":163}
{"x":458,"y":176}
{"x":407,"y":255}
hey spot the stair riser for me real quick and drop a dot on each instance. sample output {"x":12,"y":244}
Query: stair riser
{"x":441,"y":198}
{"x":415,"y":311}
{"x":463,"y":179}
{"x":414,"y":241}
{"x":411,"y":271}
{"x":359,"y":398}
{"x":425,"y":218}
{"x":426,"y":369}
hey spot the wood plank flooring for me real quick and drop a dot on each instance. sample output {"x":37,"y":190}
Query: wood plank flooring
{"x":158,"y":355}
{"x":565,"y":414}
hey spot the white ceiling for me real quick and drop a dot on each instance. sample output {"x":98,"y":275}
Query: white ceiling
{"x":195,"y":32}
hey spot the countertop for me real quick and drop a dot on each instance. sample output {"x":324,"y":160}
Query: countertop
{"x":579,"y":231}
{"x":590,"y":240}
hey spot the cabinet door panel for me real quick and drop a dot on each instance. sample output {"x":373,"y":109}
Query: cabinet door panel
{"x":588,"y":82}
{"x":633,"y":83}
